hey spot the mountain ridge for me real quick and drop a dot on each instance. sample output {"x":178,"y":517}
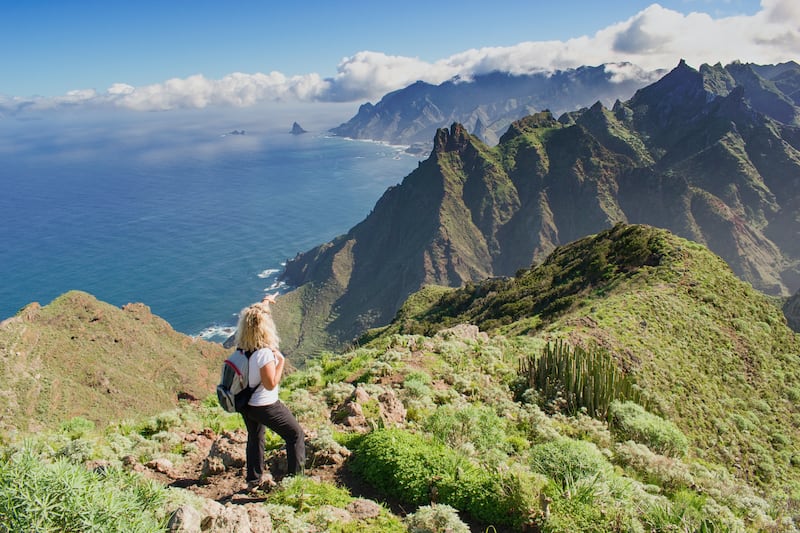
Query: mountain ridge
{"x":78,"y":356}
{"x":711,"y":167}
{"x":673,"y":315}
{"x":488,"y":103}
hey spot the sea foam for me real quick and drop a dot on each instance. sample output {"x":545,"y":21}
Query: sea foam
{"x":268,"y":272}
{"x":217,"y":333}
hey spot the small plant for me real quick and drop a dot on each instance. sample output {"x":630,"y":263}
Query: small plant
{"x":303,"y":494}
{"x":161,"y":422}
{"x":336,"y":393}
{"x":566,"y":460}
{"x":455,"y":425}
{"x":77,"y":427}
{"x":298,"y":502}
{"x":629,"y":421}
{"x":77,"y":451}
{"x":435,"y":518}
{"x":306,"y":407}
{"x":669,"y":473}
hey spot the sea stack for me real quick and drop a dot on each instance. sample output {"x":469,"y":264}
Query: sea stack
{"x":297,"y":129}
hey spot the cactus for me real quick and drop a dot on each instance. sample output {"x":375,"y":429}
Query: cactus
{"x":587,"y":380}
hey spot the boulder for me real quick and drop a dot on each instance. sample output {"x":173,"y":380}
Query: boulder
{"x":185,"y":519}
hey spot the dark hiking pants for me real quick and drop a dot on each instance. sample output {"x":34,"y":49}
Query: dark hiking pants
{"x":279,"y":419}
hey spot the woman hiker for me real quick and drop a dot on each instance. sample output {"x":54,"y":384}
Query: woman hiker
{"x":256,"y":333}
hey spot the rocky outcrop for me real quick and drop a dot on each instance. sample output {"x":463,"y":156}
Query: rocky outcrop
{"x":217,"y":518}
{"x":363,"y":411}
{"x":227,"y":452}
{"x":297,"y":129}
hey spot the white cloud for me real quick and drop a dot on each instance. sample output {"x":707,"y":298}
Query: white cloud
{"x":369,"y":74}
{"x":654,"y":38}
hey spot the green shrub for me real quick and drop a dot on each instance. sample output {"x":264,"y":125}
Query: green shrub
{"x":689,"y":511}
{"x":36,"y":495}
{"x":456,"y":425}
{"x":77,"y":427}
{"x":300,"y":501}
{"x":566,"y":460}
{"x":336,"y":393}
{"x":416,"y":385}
{"x":417,"y":396}
{"x":303,"y":494}
{"x":669,"y":473}
{"x":416,"y":470}
{"x":307,"y":408}
{"x":629,"y":421}
{"x":570,"y":515}
{"x":435,"y":519}
{"x":77,"y":451}
{"x":161,"y":422}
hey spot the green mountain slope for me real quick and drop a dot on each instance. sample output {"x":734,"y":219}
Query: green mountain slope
{"x":712,"y":354}
{"x":444,"y":424}
{"x":78,"y":356}
{"x":700,"y":152}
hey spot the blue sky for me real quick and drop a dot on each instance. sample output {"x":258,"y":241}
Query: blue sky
{"x":196,"y":53}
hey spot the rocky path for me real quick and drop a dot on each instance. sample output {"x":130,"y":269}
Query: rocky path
{"x":214,"y":471}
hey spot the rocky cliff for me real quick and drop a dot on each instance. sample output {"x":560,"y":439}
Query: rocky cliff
{"x":697,"y":152}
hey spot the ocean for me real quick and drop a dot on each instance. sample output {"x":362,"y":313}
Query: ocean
{"x":174,"y":209}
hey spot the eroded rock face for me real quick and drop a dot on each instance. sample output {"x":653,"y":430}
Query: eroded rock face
{"x":358,"y":411}
{"x":791,"y":311}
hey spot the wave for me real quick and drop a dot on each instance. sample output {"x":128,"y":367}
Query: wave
{"x":216,"y":333}
{"x":279,"y":286}
{"x":268,"y":272}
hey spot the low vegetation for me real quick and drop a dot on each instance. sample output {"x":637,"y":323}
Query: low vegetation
{"x":452,"y":430}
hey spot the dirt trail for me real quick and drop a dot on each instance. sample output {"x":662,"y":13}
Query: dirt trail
{"x":225,"y":483}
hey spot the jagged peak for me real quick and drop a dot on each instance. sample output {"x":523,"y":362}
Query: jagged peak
{"x":597,"y":107}
{"x":453,"y":140}
{"x":681,"y":79}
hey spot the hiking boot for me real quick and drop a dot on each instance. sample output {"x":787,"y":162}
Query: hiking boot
{"x":260,"y":485}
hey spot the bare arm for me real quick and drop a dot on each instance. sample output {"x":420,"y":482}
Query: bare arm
{"x":272,"y":372}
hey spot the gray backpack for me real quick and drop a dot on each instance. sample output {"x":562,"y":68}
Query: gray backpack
{"x":234,"y":390}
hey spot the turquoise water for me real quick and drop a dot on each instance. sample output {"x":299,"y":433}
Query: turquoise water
{"x":192,"y":221}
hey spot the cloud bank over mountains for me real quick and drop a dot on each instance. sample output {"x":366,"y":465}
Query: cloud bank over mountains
{"x":654,"y":38}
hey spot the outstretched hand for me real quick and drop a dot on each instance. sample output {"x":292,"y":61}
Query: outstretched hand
{"x":269,"y":298}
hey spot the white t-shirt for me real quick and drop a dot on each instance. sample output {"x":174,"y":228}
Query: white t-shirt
{"x":261,"y":396}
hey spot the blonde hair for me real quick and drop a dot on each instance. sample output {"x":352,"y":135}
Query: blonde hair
{"x":256,"y":329}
